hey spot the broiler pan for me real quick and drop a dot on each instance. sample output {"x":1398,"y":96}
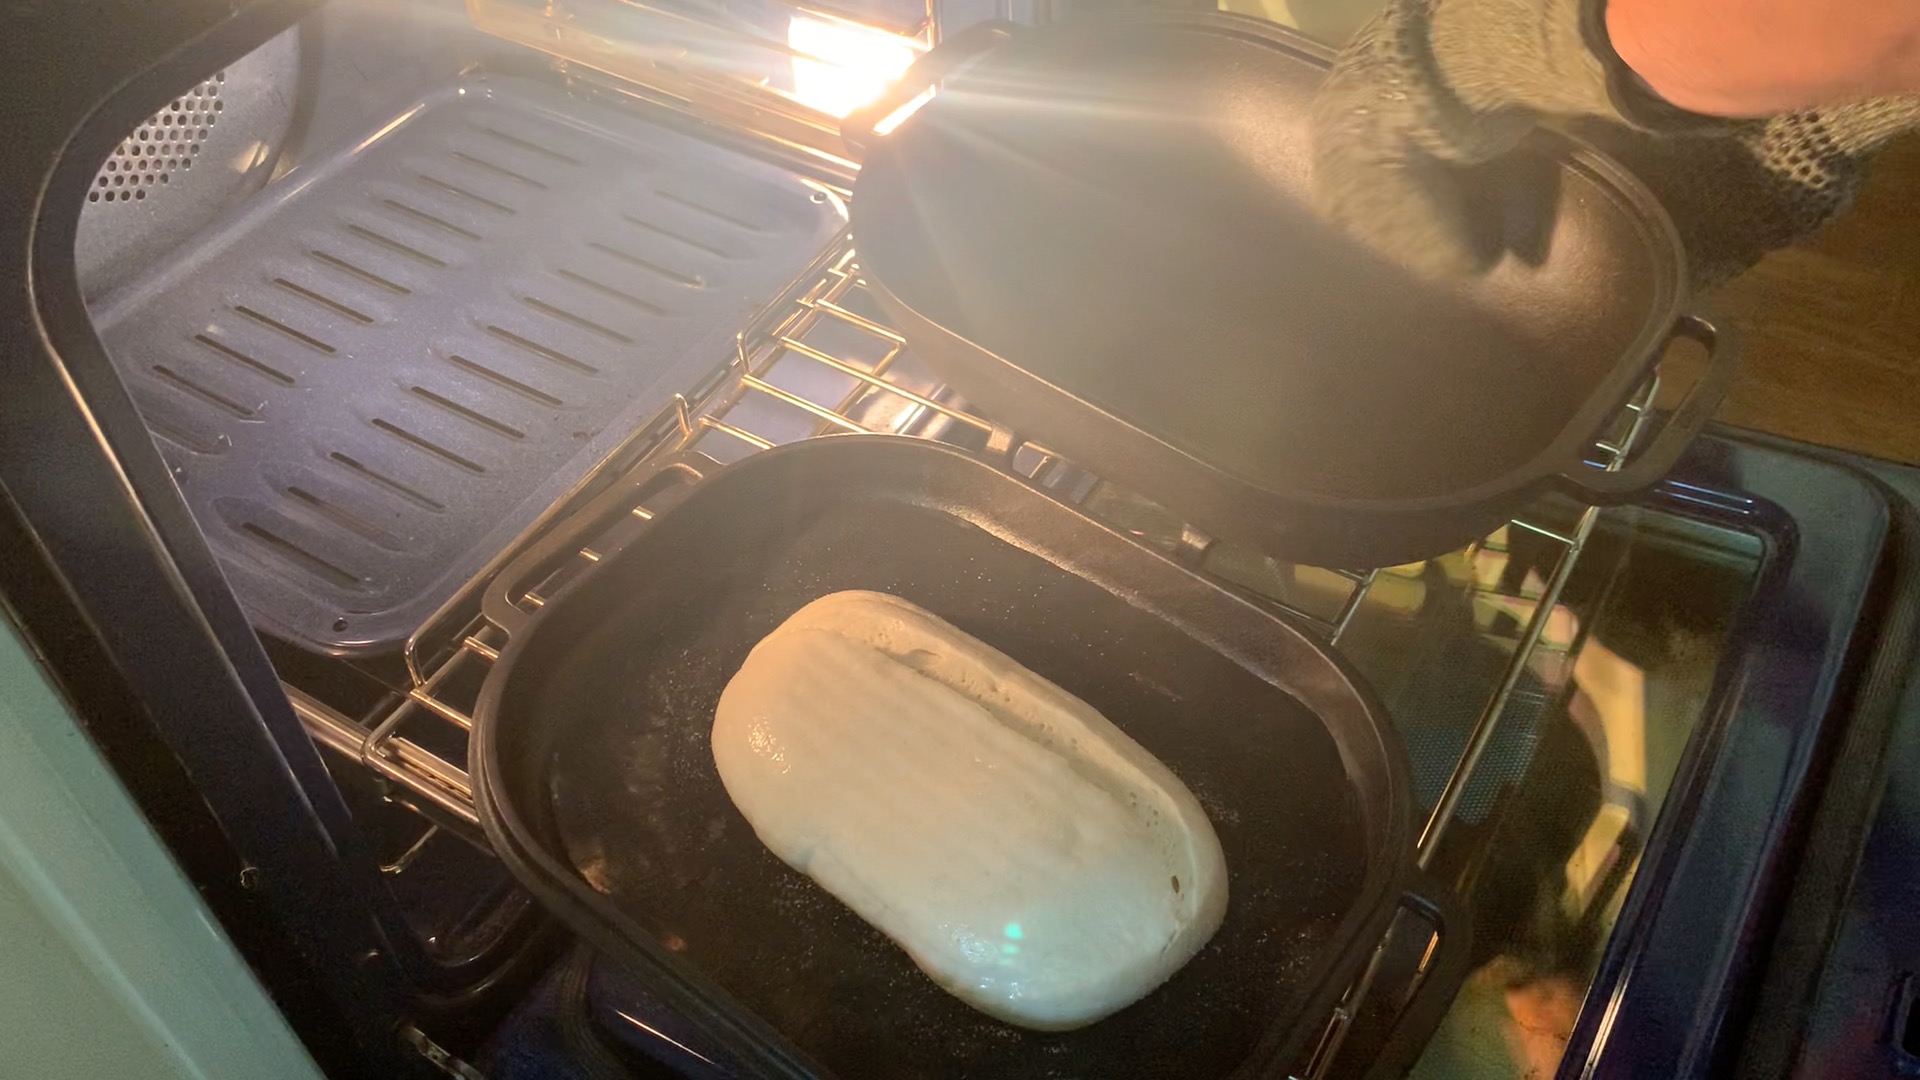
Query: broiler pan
{"x":595,"y":780}
{"x":1097,"y":231}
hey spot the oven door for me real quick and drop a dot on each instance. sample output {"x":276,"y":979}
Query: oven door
{"x":1745,"y":871}
{"x":1671,"y":890}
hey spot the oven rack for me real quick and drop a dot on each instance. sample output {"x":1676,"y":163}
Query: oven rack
{"x":823,"y":360}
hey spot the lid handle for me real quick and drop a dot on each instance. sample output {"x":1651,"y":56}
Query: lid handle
{"x":500,"y":603}
{"x":1644,"y":469}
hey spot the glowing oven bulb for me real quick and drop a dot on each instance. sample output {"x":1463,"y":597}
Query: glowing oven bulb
{"x":840,"y":66}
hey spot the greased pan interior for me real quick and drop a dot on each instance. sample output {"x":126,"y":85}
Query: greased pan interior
{"x":596,"y":780}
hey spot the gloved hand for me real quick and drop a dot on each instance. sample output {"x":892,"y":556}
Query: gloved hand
{"x":1429,"y":86}
{"x":1736,"y":196}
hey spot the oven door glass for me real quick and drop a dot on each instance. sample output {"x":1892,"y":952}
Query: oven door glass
{"x":1583,"y":731}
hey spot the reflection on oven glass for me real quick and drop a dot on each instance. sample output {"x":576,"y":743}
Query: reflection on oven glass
{"x":1549,"y":828}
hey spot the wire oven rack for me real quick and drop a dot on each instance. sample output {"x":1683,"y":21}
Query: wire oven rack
{"x":822,"y":360}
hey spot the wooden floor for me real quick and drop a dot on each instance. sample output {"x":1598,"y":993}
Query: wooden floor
{"x":1831,"y":349}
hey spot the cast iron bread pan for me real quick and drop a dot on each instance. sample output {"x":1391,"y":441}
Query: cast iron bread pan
{"x":1097,"y":231}
{"x":595,"y":780}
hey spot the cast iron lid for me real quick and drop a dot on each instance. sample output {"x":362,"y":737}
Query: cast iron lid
{"x":1117,"y":206}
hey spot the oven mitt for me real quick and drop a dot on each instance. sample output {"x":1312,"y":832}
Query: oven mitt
{"x":1736,"y":197}
{"x":1430,"y":86}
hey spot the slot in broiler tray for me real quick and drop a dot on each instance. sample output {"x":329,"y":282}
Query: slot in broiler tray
{"x":594,"y":773}
{"x":375,"y":374}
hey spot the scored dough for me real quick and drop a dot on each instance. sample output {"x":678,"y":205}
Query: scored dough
{"x":1030,"y":857}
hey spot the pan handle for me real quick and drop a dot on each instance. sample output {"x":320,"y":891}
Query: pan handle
{"x":1644,"y":469}
{"x":1391,"y":1040}
{"x":500,"y":601}
{"x":1440,"y":982}
{"x":956,"y":52}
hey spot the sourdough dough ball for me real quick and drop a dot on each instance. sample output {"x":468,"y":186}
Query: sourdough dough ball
{"x":1030,"y":857}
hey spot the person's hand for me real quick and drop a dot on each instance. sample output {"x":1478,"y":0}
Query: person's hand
{"x":1430,"y":86}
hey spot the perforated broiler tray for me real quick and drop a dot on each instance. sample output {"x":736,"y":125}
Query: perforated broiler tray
{"x":374,"y":374}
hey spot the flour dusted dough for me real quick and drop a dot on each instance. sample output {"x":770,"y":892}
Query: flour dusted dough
{"x":1029,"y":856}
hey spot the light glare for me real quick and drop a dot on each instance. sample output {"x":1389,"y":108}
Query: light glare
{"x":839,"y":66}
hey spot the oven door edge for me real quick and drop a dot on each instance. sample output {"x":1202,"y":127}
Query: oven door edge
{"x":1839,"y":993}
{"x":111,"y":580}
{"x":1752,"y":838}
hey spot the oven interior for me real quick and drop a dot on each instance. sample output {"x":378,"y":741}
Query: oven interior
{"x":403,"y":286}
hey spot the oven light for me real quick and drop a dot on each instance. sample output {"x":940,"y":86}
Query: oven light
{"x":840,"y":66}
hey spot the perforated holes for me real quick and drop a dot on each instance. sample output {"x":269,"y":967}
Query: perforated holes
{"x":168,"y":141}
